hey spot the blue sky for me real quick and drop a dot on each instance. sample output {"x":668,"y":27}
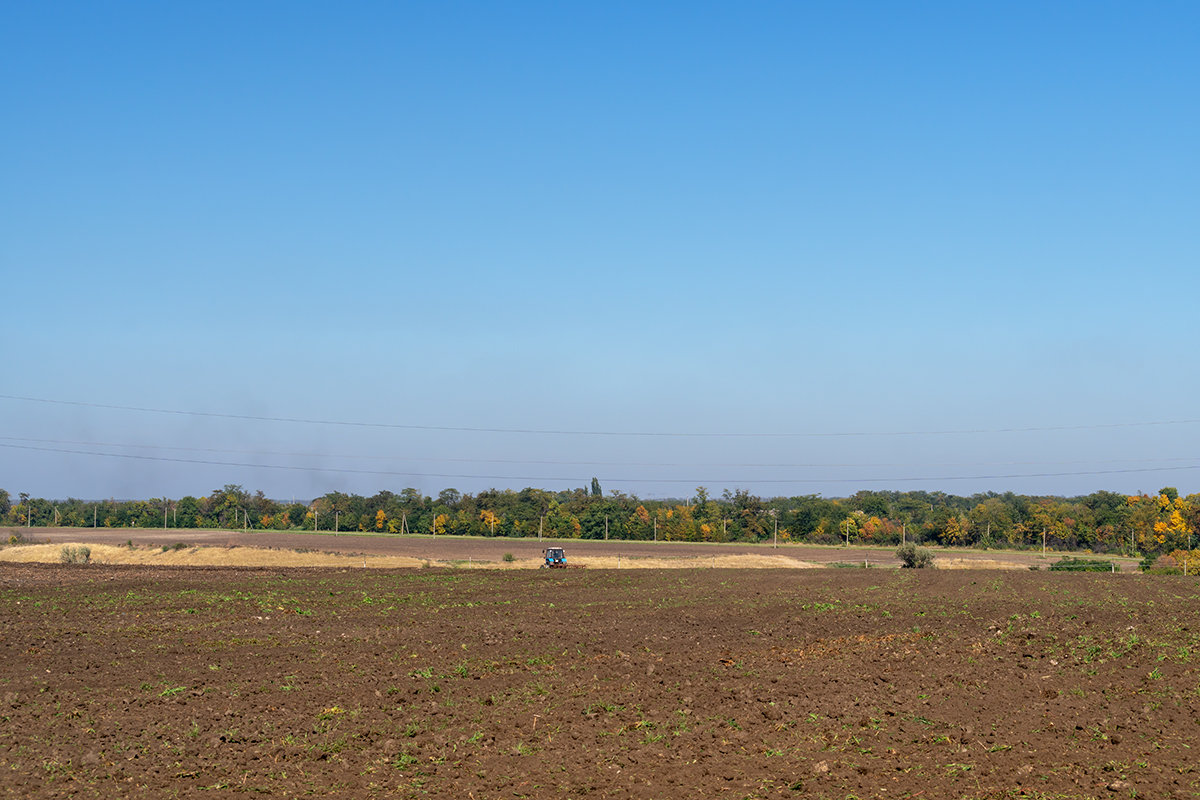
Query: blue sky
{"x":775,"y":218}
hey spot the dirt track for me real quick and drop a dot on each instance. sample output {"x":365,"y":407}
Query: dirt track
{"x":452,"y":548}
{"x":148,"y":682}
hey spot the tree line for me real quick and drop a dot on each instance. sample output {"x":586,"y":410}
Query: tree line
{"x":1103,"y":522}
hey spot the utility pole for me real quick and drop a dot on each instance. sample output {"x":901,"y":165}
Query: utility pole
{"x":541,"y":519}
{"x":606,"y":527}
{"x":164,"y":516}
{"x":1043,"y":541}
{"x":656,"y":525}
{"x":776,"y":533}
{"x":903,"y":533}
{"x":335,"y":522}
{"x":94,"y":514}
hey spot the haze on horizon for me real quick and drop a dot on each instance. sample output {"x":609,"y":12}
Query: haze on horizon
{"x":793,"y":248}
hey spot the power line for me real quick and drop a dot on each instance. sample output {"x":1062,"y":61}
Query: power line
{"x":564,"y":432}
{"x":613,"y":479}
{"x":564,"y":462}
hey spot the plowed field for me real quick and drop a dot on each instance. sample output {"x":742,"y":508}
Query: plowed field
{"x":190,"y":682}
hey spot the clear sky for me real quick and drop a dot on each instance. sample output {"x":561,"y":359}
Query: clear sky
{"x":789,"y":219}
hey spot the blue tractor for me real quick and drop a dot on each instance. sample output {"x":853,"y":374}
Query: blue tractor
{"x":555,"y":558}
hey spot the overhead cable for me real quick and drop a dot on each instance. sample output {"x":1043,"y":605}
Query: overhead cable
{"x":566,"y":432}
{"x":577,"y":463}
{"x":609,"y":478}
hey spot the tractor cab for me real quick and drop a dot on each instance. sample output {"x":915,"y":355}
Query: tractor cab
{"x":555,"y":558}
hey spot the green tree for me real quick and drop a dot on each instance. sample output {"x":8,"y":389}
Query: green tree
{"x":187,"y":512}
{"x":1142,"y":516}
{"x":991,"y":520}
{"x":226,"y":505}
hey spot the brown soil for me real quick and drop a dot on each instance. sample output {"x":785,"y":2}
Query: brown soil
{"x":204,"y":682}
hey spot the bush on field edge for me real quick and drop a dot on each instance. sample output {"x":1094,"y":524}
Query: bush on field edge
{"x":913,"y":557}
{"x":75,"y":555}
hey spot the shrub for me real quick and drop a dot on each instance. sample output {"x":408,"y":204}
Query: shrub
{"x":913,"y":557}
{"x":1082,"y":565}
{"x":75,"y":555}
{"x":509,"y":557}
{"x":1187,"y":560}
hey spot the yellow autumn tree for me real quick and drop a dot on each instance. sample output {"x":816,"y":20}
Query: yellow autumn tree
{"x":957,"y":531}
{"x":380,"y":519}
{"x":1177,"y":528}
{"x":1162,"y":522}
{"x":1187,"y":560}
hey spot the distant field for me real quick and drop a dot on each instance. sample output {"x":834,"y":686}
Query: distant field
{"x":275,"y":548}
{"x":250,"y":556}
